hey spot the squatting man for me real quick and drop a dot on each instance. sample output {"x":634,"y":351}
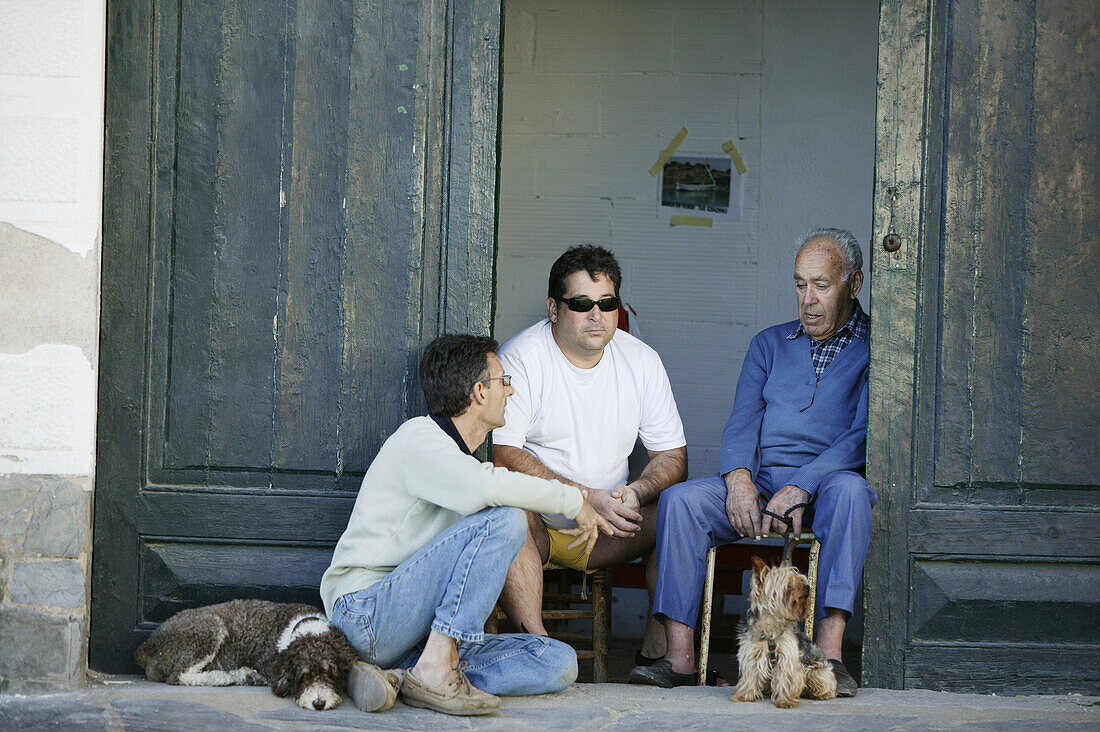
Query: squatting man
{"x":433,"y":531}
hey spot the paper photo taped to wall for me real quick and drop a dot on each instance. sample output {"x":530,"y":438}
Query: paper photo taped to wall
{"x":700,"y":185}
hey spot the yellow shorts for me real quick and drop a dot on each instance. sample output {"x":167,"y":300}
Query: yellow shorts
{"x":562,"y":556}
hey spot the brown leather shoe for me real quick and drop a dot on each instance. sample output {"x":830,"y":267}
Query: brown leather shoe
{"x":456,"y":695}
{"x":371,"y":689}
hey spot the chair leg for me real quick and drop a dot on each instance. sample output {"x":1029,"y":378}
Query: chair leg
{"x":811,"y":575}
{"x":601,"y":625}
{"x":704,"y":624}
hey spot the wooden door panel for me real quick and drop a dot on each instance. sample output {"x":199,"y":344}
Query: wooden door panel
{"x":310,"y":376}
{"x":223,"y":240}
{"x":182,"y":574}
{"x":1015,"y":396}
{"x":255,"y":252}
{"x":982,"y":436}
{"x":294,"y":261}
{"x":987,"y":104}
{"x":1004,"y":600}
{"x":245,"y":514}
{"x":986,"y":669}
{"x":280,"y":217}
{"x":986,"y":531}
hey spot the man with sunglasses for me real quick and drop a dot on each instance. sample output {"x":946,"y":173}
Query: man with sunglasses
{"x":792,"y":454}
{"x":585,"y":394}
{"x":428,"y":545}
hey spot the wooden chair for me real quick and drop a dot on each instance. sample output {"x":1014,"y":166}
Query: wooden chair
{"x":740,"y":564}
{"x":558,"y":605}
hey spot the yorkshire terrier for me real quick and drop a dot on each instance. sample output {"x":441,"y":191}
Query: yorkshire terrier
{"x":774,"y":653}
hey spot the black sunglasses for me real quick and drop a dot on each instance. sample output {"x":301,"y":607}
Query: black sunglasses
{"x":584,"y":304}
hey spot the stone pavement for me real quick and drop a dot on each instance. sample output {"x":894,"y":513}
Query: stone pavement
{"x":132,"y":703}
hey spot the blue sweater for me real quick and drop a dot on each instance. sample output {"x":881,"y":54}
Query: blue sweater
{"x":766,"y":427}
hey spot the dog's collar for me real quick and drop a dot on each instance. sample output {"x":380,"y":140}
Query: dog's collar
{"x":771,"y":641}
{"x":299,"y":626}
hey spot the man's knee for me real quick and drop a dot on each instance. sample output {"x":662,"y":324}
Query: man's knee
{"x":847,"y":487}
{"x":675,"y":499}
{"x":510,"y":522}
{"x":559,"y":664}
{"x":687,"y":502}
{"x":524,"y":665}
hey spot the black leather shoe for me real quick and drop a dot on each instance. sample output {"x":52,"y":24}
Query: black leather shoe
{"x":845,"y":685}
{"x":661,"y":674}
{"x":640,"y":660}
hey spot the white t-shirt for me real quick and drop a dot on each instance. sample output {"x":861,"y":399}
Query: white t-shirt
{"x":583,"y":423}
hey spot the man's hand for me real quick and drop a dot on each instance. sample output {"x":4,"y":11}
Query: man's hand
{"x":617,"y":509}
{"x":743,"y":504}
{"x":781,"y":502}
{"x":628,"y":496}
{"x":589,"y":526}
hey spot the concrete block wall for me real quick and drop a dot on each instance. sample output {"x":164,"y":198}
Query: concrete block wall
{"x":595,"y":89}
{"x":51,"y":152}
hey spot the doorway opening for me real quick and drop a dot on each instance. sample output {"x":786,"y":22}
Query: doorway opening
{"x":594,"y":92}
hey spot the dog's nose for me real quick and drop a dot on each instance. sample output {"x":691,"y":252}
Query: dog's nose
{"x":318,"y":703}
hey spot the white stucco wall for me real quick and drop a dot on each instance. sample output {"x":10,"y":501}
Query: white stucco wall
{"x":51,"y":153}
{"x":51,"y":123}
{"x":51,"y":169}
{"x":594,"y":90}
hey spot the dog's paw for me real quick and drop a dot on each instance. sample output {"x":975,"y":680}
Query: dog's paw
{"x":785,"y":703}
{"x":744,"y":696}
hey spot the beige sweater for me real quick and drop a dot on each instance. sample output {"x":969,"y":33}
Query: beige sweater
{"x":418,"y":486}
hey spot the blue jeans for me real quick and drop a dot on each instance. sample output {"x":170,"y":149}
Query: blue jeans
{"x":691,"y":518}
{"x":451,"y":585}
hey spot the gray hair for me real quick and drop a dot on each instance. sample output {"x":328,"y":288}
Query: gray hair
{"x":845,"y":241}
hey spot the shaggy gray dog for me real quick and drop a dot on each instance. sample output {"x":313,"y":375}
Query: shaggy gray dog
{"x":255,"y":642}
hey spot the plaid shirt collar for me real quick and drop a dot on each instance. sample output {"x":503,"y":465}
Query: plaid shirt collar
{"x":823,"y":352}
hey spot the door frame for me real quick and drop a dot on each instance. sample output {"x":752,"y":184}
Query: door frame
{"x":907,"y":196}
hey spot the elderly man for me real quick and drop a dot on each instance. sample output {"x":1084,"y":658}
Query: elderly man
{"x":585,"y":393}
{"x":795,"y":441}
{"x":428,"y":545}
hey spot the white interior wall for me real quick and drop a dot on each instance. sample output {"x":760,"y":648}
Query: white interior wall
{"x":595,"y":89}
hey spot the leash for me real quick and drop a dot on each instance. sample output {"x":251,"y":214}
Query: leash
{"x":790,"y":539}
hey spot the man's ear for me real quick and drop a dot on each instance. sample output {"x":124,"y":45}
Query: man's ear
{"x":552,"y":309}
{"x":855,"y":282}
{"x":477,"y":394}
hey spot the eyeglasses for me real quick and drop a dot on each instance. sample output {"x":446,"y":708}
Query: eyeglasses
{"x":584,"y":304}
{"x":505,"y":379}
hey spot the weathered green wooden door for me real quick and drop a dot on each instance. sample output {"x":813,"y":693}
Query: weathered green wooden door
{"x":983,"y":437}
{"x":298,"y":195}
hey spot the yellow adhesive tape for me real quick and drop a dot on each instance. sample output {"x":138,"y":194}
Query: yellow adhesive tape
{"x":692,"y":221}
{"x":667,"y":153}
{"x":735,"y":156}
